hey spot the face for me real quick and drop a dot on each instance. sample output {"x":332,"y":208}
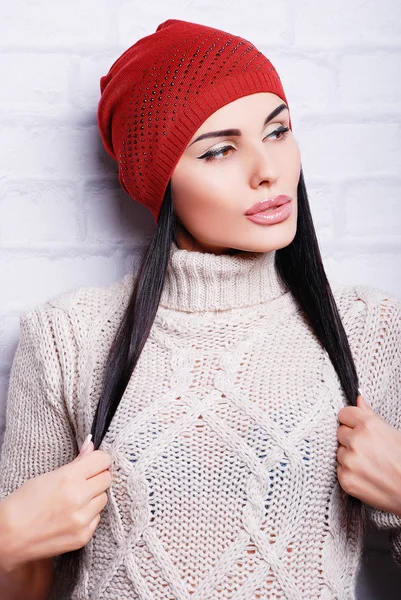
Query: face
{"x":234,"y":160}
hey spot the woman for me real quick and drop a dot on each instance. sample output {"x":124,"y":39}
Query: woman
{"x":216,"y":377}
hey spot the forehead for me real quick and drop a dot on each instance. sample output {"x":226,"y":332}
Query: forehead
{"x":253,"y":107}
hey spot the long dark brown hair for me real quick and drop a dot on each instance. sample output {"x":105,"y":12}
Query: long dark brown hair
{"x":301,"y":268}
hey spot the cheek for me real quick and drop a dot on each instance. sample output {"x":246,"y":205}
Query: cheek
{"x":294,"y":159}
{"x":290,"y":165}
{"x":197,"y":189}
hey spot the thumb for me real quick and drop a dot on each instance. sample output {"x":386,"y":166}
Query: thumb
{"x":86,"y":448}
{"x":362,"y":403}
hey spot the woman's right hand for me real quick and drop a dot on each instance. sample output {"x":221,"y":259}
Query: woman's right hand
{"x":55,"y":512}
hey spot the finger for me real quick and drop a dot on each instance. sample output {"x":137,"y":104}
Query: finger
{"x":350,"y":415}
{"x":343,"y":435}
{"x":341,"y":452}
{"x":99,"y":483}
{"x":87,"y":450}
{"x":362,"y":403}
{"x":94,"y":523}
{"x":94,"y":463}
{"x":85,"y":444}
{"x":95,"y":506}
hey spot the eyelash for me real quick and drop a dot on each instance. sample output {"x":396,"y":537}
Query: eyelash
{"x":213,"y":153}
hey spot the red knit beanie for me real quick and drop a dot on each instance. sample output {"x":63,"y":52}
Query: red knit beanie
{"x":160,"y":91}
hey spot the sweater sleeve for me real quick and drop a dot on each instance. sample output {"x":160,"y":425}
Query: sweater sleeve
{"x":382,"y":385}
{"x":39,"y":434}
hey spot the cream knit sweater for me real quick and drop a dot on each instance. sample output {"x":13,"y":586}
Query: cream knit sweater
{"x":224,"y":444}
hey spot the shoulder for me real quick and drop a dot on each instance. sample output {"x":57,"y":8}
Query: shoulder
{"x":80,"y":311}
{"x":371,"y":315}
{"x":63,"y":342}
{"x":91,"y":300}
{"x":371,"y":306}
{"x":372,"y":320}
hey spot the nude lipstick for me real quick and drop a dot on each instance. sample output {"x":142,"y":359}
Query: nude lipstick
{"x":271,"y":210}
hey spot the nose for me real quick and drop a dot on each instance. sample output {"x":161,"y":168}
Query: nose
{"x":264,"y":166}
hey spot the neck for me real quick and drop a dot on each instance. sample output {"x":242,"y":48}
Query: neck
{"x":203,"y":281}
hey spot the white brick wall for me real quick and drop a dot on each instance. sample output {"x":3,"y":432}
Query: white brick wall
{"x":64,"y":220}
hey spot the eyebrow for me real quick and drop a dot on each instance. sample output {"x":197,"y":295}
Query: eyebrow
{"x":237,"y":132}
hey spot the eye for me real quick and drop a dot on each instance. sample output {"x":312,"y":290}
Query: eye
{"x":280,"y":131}
{"x":278,"y":134}
{"x":219,"y":152}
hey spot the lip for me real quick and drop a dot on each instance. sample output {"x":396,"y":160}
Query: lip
{"x":271,"y":217}
{"x":268,"y":203}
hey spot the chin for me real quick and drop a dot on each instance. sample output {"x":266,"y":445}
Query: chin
{"x":259,"y":238}
{"x":270,"y":240}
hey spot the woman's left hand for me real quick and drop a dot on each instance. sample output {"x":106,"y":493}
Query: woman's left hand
{"x":369,"y":457}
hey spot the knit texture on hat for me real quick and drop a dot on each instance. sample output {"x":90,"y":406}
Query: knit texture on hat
{"x":160,"y":91}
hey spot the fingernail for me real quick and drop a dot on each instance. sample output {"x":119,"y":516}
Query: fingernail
{"x":86,"y":443}
{"x":363,"y":396}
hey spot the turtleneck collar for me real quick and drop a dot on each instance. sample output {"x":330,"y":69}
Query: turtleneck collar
{"x":203,"y":281}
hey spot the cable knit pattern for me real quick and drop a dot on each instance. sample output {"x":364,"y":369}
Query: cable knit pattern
{"x":224,"y":444}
